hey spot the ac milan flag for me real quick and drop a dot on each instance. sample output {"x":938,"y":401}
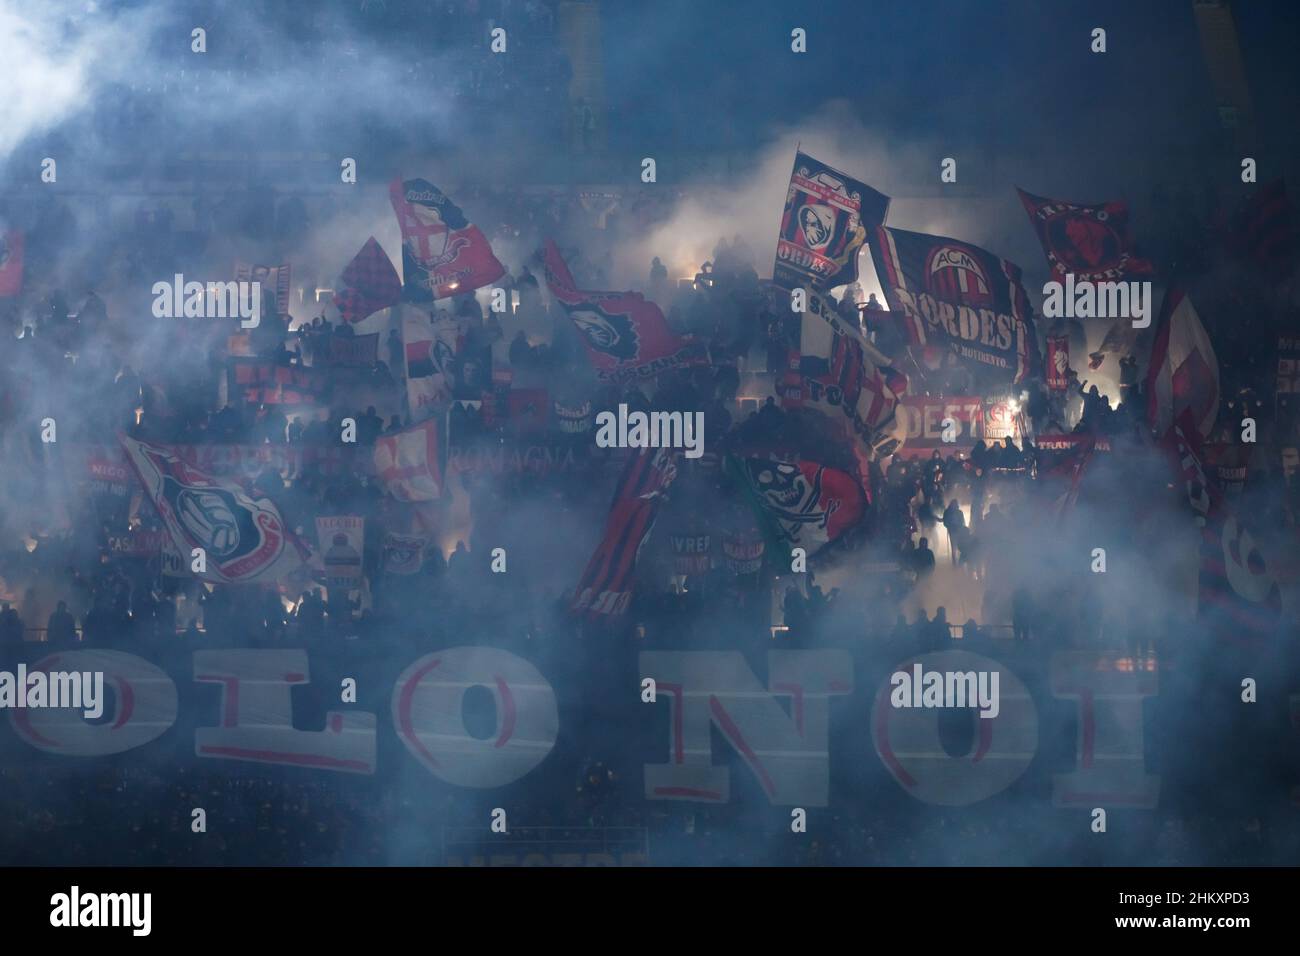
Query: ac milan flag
{"x":1090,"y":241}
{"x":956,"y":295}
{"x":11,"y":263}
{"x":1183,"y":373}
{"x":443,"y":253}
{"x":825,"y":221}
{"x":407,"y":463}
{"x":627,"y":337}
{"x":1265,"y":230}
{"x":1238,"y":594}
{"x":371,"y":284}
{"x":803,"y":503}
{"x":244,"y":539}
{"x":1058,"y":362}
{"x":605,"y":589}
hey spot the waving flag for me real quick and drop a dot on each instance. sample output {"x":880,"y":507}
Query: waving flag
{"x":1183,"y":373}
{"x":430,"y":349}
{"x":800,"y":504}
{"x":443,"y":253}
{"x":1239,"y":594}
{"x":843,"y":375}
{"x":627,"y":337}
{"x":956,"y":295}
{"x":605,"y":589}
{"x":1091,"y":241}
{"x":407,"y":463}
{"x":11,"y":263}
{"x":1264,"y":229}
{"x":244,"y":539}
{"x":372,"y":284}
{"x":825,"y":221}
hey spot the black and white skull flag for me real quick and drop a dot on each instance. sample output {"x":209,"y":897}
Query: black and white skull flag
{"x":243,"y":537}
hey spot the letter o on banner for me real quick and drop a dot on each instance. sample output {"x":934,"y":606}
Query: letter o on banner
{"x":428,"y":705}
{"x":908,"y":743}
{"x":145,"y":707}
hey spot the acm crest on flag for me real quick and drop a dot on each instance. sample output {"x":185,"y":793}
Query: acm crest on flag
{"x":955,"y":294}
{"x":244,"y":538}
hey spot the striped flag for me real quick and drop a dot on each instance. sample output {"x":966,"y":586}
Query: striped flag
{"x":605,"y":589}
{"x":1183,"y":373}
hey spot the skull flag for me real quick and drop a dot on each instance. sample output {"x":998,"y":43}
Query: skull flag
{"x":244,"y":539}
{"x":802,"y":504}
{"x":443,"y":253}
{"x":1090,"y":241}
{"x":824,"y":225}
{"x":627,"y":337}
{"x":956,"y":295}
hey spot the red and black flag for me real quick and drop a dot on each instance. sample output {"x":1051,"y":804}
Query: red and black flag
{"x":11,"y":263}
{"x":957,"y":296}
{"x":1090,"y":241}
{"x":801,"y":504}
{"x":1239,"y":595}
{"x":443,"y":253}
{"x":605,"y":589}
{"x":627,"y":336}
{"x":825,"y":222}
{"x":1264,"y":229}
{"x":371,"y":284}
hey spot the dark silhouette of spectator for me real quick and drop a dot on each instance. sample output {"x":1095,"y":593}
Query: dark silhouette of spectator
{"x":923,"y":559}
{"x":61,"y":626}
{"x":1022,"y":611}
{"x":954,"y":523}
{"x":11,"y":625}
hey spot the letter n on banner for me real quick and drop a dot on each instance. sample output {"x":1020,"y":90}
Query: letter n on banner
{"x":787,"y":752}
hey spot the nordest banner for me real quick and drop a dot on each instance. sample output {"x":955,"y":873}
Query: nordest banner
{"x":807,"y":728}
